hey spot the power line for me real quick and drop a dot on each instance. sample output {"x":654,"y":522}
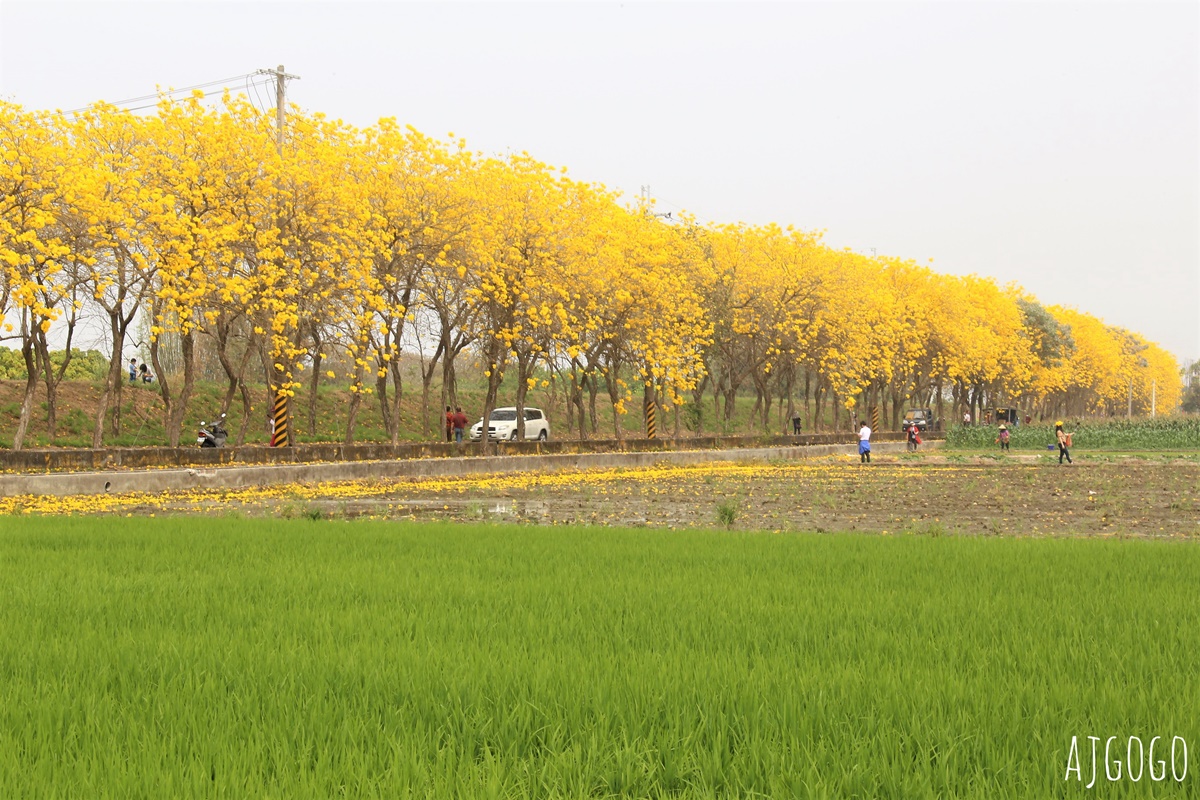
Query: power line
{"x":259,"y":104}
{"x":209,"y":97}
{"x":224,"y":82}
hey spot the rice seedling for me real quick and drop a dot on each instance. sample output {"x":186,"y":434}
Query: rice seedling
{"x":727,"y":511}
{"x":174,"y":657}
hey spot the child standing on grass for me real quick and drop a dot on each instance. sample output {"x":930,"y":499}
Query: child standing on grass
{"x":864,"y":444}
{"x":1064,"y":441}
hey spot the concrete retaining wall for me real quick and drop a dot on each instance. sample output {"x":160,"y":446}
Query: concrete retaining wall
{"x":233,"y":477}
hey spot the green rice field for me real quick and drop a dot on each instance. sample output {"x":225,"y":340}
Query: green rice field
{"x":246,"y":658}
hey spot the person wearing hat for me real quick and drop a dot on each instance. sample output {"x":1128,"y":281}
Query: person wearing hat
{"x":1003,"y":438}
{"x":1064,"y":441}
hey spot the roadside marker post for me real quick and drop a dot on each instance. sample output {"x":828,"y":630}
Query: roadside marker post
{"x":279,"y":433}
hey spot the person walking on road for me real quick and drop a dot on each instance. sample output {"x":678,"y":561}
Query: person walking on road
{"x":864,"y":444}
{"x":1064,"y":442}
{"x":460,"y":424}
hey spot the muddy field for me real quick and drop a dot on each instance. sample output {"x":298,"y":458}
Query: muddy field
{"x":934,"y":495}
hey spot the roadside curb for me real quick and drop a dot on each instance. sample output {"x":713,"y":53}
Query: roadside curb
{"x":237,"y":477}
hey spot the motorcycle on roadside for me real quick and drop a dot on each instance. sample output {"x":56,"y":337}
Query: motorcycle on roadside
{"x":212,"y":434}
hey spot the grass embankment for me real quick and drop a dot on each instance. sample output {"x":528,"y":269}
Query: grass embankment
{"x":182,"y":658}
{"x":1165,"y":433}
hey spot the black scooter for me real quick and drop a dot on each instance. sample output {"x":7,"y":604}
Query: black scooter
{"x":212,"y":434}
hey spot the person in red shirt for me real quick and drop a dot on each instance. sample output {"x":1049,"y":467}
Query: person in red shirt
{"x":449,"y":425}
{"x":460,"y":424}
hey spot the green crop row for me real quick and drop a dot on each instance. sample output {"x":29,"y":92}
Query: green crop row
{"x":1165,"y":433}
{"x":259,"y":658}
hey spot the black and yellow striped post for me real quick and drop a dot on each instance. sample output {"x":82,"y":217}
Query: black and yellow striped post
{"x":874,"y":418}
{"x":279,"y":431}
{"x":651,"y":428}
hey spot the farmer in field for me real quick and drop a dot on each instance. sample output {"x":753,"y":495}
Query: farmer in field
{"x":864,"y":444}
{"x":1003,"y":438}
{"x":449,"y":425}
{"x":1064,"y":442}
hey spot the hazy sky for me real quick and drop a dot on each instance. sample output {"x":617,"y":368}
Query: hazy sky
{"x":1054,"y":144}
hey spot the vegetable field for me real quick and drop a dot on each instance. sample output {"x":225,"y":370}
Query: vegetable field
{"x":239,"y":658}
{"x":1167,"y":433}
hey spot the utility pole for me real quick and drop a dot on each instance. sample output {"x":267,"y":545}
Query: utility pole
{"x":646,"y":204}
{"x":280,"y":435}
{"x":281,"y":79}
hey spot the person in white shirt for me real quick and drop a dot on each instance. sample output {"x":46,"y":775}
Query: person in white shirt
{"x":966,"y":418}
{"x":864,"y":444}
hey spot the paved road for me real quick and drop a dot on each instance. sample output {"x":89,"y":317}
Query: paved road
{"x":233,"y":477}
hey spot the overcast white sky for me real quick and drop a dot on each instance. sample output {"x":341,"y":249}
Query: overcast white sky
{"x":1054,"y":144}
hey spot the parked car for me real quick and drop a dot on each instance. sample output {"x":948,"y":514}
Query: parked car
{"x":1009,"y":416}
{"x":922,"y":418}
{"x":503,"y":425}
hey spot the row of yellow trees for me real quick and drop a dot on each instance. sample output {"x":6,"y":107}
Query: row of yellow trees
{"x":286,"y":258}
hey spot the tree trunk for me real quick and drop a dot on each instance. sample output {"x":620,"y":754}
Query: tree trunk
{"x":113,"y":383}
{"x":385,"y":403}
{"x":610,"y":381}
{"x":807,"y":410}
{"x":731,"y":390}
{"x":355,"y":405}
{"x":237,"y":379}
{"x":569,"y":406}
{"x":698,"y":400}
{"x":314,"y":385}
{"x":426,"y":383}
{"x":31,"y":376}
{"x":717,"y":391}
{"x":525,"y":366}
{"x":449,"y":381}
{"x":164,"y":381}
{"x":495,"y":358}
{"x":397,"y":396}
{"x":188,"y":347}
{"x":593,"y":390}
